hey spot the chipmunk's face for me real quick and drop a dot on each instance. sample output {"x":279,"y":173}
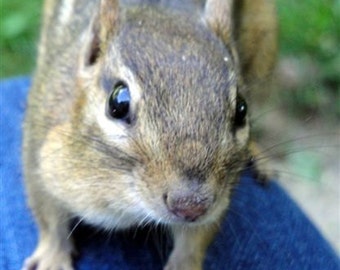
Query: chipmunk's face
{"x":174,"y":128}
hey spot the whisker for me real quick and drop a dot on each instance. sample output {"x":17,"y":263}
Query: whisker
{"x":75,"y":226}
{"x":292,"y":140}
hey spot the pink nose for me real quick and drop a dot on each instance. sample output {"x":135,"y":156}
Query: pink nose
{"x":188,"y":208}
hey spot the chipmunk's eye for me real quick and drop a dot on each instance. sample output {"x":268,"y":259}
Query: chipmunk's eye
{"x":240,"y":112}
{"x":118,"y":105}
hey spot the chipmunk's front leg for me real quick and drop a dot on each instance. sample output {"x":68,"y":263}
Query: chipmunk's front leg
{"x":55,"y":247}
{"x":190,"y":245}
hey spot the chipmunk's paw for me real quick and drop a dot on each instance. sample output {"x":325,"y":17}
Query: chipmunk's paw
{"x":49,"y":257}
{"x":48,"y":261}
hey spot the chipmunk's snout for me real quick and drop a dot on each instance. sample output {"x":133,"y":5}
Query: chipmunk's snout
{"x":188,"y":206}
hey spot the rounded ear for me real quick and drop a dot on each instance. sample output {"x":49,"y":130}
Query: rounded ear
{"x":102,"y":29}
{"x":255,"y":34}
{"x":250,"y":28}
{"x":218,"y":15}
{"x":109,"y":13}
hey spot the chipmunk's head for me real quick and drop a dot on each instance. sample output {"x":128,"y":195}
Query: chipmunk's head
{"x":161,"y":91}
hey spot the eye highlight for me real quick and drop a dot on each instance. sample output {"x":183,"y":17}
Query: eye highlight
{"x":240,"y":112}
{"x":118,"y":105}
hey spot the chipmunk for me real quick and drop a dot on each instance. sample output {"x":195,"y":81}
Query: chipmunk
{"x":136,"y":115}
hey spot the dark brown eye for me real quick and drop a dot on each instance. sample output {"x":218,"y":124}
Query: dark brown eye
{"x":119,"y":102}
{"x":240,"y":112}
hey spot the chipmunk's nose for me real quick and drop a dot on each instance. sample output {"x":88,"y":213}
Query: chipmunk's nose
{"x":188,"y":207}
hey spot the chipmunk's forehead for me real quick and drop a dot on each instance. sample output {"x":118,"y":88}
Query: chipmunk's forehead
{"x":183,"y":66}
{"x":178,"y":52}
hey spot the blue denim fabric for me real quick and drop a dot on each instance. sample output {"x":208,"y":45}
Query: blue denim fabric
{"x":264,"y":228}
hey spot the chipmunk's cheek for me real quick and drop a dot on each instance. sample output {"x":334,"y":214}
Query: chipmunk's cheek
{"x":242,"y":135}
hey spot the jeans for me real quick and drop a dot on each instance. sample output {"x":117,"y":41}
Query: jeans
{"x":263,"y":229}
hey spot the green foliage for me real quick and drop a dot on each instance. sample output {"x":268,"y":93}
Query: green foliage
{"x":311,"y":27}
{"x":310,"y":33}
{"x":19,"y":28}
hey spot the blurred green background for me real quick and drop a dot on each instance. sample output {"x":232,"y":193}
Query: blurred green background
{"x":309,"y":40}
{"x":310,"y":43}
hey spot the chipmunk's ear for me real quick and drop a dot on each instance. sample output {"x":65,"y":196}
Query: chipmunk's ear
{"x":109,"y":13}
{"x":249,"y":29}
{"x":103,"y":27}
{"x":219,"y":16}
{"x":255,"y":34}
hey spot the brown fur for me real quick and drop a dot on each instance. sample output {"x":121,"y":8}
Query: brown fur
{"x":184,"y":68}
